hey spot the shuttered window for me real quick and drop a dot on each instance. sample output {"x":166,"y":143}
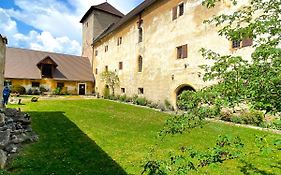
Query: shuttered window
{"x":182,"y":52}
{"x":140,"y":64}
{"x":175,"y":12}
{"x":120,"y":65}
{"x":247,"y":42}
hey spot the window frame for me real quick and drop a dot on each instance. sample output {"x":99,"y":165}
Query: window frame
{"x":34,"y":84}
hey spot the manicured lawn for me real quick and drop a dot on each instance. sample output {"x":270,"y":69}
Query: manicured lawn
{"x":94,"y":137}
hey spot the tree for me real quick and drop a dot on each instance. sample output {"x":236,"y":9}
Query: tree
{"x":259,"y":81}
{"x":111,"y":79}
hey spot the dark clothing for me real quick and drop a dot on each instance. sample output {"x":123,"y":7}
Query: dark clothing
{"x":6,"y":95}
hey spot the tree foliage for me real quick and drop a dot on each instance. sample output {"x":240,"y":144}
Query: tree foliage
{"x":110,"y":79}
{"x":256,"y":82}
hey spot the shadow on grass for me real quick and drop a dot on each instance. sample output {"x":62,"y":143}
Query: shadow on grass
{"x":249,"y":168}
{"x":62,"y":149}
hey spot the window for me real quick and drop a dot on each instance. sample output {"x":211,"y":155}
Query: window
{"x":177,"y":11}
{"x":119,"y":41}
{"x":96,"y":53}
{"x":181,"y":9}
{"x":60,"y":85}
{"x":106,"y":68}
{"x":7,"y":83}
{"x":96,"y":70}
{"x":47,"y":70}
{"x":140,"y":91}
{"x":123,"y":90}
{"x":120,"y":65}
{"x":106,"y":48}
{"x":87,"y":24}
{"x":247,"y":42}
{"x":182,"y":52}
{"x":236,"y":44}
{"x":140,"y":34}
{"x":35,"y":84}
{"x":140,"y":64}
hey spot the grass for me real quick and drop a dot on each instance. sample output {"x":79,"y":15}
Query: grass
{"x":99,"y":137}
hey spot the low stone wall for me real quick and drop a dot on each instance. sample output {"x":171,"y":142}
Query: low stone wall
{"x":15,"y":130}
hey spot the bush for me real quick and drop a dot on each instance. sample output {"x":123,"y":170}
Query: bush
{"x":106,"y":92}
{"x":42,"y":89}
{"x":18,"y":89}
{"x":168,"y":105}
{"x":123,"y":98}
{"x":134,"y":99}
{"x":141,"y":101}
{"x":57,"y":91}
{"x":252,"y":117}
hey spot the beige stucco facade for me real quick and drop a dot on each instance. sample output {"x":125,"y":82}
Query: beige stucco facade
{"x":70,"y":87}
{"x":163,"y":74}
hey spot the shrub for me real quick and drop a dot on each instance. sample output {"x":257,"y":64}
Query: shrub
{"x":252,"y":117}
{"x":106,"y":92}
{"x":42,"y":89}
{"x":36,"y":91}
{"x":57,"y":91}
{"x":134,"y":99}
{"x":168,"y":105}
{"x":18,"y":89}
{"x":123,"y":98}
{"x":276,"y":124}
{"x":141,"y":101}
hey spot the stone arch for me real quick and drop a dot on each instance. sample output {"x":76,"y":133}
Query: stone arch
{"x":182,"y":88}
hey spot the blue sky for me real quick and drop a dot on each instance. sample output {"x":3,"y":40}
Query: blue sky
{"x":49,"y":25}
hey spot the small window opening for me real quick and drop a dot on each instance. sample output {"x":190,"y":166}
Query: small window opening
{"x":140,"y":62}
{"x":123,"y":90}
{"x":140,"y":91}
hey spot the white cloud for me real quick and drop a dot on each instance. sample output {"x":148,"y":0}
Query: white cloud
{"x":58,"y":21}
{"x":44,"y":41}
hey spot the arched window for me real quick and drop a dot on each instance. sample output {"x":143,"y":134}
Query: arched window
{"x":140,"y":64}
{"x":140,"y":34}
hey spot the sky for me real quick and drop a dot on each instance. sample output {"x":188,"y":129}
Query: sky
{"x":49,"y":25}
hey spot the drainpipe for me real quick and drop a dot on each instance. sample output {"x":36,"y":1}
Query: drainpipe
{"x":3,"y":42}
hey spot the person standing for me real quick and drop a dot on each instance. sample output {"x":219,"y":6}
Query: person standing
{"x":6,"y":95}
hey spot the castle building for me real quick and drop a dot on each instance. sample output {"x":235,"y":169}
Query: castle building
{"x":154,"y":49}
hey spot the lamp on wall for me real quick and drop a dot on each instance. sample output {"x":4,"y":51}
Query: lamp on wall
{"x":173,"y":77}
{"x":186,"y":65}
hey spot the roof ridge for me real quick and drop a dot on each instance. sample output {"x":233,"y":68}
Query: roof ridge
{"x":45,"y":52}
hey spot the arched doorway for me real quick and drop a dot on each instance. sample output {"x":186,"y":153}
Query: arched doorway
{"x":183,"y":88}
{"x":179,"y":90}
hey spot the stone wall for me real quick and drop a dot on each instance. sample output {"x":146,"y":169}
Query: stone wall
{"x":15,"y":130}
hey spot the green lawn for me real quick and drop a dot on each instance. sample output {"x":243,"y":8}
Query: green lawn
{"x":94,"y":137}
